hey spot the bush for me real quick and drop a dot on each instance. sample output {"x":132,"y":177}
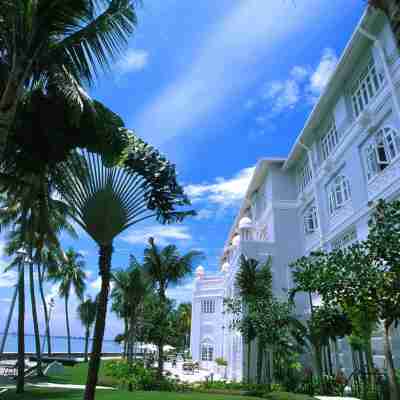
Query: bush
{"x":137,"y":377}
{"x":221,"y":362}
{"x":286,"y":396}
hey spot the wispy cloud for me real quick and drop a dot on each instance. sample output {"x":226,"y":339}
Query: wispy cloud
{"x":303,"y":85}
{"x":163,"y":234}
{"x":250,"y":31}
{"x":134,"y":60}
{"x":8,"y":279}
{"x":222,"y":192}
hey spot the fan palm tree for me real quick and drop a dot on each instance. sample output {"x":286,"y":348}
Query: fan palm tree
{"x":128,"y":294}
{"x":87,"y":315}
{"x":106,"y":200}
{"x":57,"y":43}
{"x":165,"y":267}
{"x":70,"y":276}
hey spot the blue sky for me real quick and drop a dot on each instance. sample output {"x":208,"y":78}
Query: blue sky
{"x":215,"y":85}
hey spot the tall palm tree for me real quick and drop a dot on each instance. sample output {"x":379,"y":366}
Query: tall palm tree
{"x":129,"y":292}
{"x":165,"y":267}
{"x":185,"y":321}
{"x":106,"y":200}
{"x":57,"y":43}
{"x":70,"y":276}
{"x":87,"y":315}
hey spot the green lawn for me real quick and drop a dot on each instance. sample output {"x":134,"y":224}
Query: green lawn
{"x":77,"y":376}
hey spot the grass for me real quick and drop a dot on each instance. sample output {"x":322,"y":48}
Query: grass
{"x":77,"y":376}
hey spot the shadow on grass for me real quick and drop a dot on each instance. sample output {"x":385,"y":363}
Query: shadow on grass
{"x":45,"y":394}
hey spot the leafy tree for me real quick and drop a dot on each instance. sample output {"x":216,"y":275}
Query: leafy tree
{"x":70,"y":276}
{"x":128,"y":295}
{"x":106,"y":200}
{"x":183,"y":322}
{"x":165,"y":267}
{"x":57,"y":44}
{"x":87,"y":315}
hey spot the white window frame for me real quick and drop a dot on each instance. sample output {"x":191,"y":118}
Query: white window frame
{"x":345,"y":240}
{"x":310,"y":220}
{"x":381,"y":151}
{"x":206,"y":351}
{"x":208,"y":306}
{"x":330,"y":141}
{"x":366,"y":87}
{"x":339,"y":193}
{"x":304,"y":176}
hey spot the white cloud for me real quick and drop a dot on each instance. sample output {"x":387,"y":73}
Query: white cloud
{"x":223,"y":192}
{"x":96,"y":284}
{"x":134,"y":60}
{"x":182,"y":293}
{"x":163,"y":234}
{"x":320,"y":77}
{"x":251,"y":31}
{"x":304,"y":85}
{"x":8,"y":279}
{"x":204,"y":214}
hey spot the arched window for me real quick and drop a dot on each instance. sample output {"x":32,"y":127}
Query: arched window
{"x":207,"y":351}
{"x":381,"y":151}
{"x":339,"y":193}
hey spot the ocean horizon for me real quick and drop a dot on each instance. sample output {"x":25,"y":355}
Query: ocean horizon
{"x":58,"y":344}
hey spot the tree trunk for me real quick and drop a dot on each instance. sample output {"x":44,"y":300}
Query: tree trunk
{"x":126,"y":339}
{"x":95,"y":358}
{"x":318,"y":360}
{"x":330,"y":364}
{"x":10,"y":313}
{"x":35,"y":320}
{"x":21,"y":331}
{"x":160,"y":367}
{"x":87,"y":343}
{"x":370,"y":363}
{"x":393,"y":382}
{"x":260,"y":357}
{"x":67,"y":324}
{"x":45,"y":310}
{"x":336,"y":350}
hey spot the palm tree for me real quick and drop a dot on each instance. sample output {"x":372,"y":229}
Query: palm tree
{"x":130,"y":290}
{"x":59,"y":44}
{"x":106,"y":200}
{"x":185,"y":321}
{"x":70,"y":276}
{"x":87,"y":315}
{"x":165,"y":267}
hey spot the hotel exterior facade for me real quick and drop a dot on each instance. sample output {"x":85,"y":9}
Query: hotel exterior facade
{"x":346,"y":156}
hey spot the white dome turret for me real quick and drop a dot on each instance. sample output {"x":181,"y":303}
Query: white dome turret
{"x":200,"y":272}
{"x":236,"y":240}
{"x":225,"y":267}
{"x":245,"y":223}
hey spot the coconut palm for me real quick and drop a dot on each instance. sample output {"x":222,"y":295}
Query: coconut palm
{"x":165,"y":267}
{"x":105,"y":200}
{"x":70,"y":276}
{"x":129,"y":292}
{"x":57,"y":43}
{"x":87,"y":315}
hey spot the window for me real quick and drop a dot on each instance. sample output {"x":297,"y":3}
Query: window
{"x":310,"y":220}
{"x":339,"y":193}
{"x":208,"y":306}
{"x":383,"y":148}
{"x":329,"y":141}
{"x":366,"y":87}
{"x":345,"y":239}
{"x":207,"y":352}
{"x":305,"y":177}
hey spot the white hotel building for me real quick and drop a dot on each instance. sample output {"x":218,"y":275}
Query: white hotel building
{"x":347,"y":155}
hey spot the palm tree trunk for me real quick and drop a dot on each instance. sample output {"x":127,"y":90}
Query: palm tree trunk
{"x":260,"y":357}
{"x":87,"y":343}
{"x":67,"y":324}
{"x":35,"y":320}
{"x":160,"y":367}
{"x":248,"y":362}
{"x":45,"y":310}
{"x":393,"y":382}
{"x":126,"y":339}
{"x":94,"y":363}
{"x":10,"y":313}
{"x":21,"y":330}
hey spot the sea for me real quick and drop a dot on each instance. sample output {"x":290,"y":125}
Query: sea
{"x":58,"y":343}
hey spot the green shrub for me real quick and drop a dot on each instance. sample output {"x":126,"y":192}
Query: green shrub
{"x":286,"y":396}
{"x":221,"y":362}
